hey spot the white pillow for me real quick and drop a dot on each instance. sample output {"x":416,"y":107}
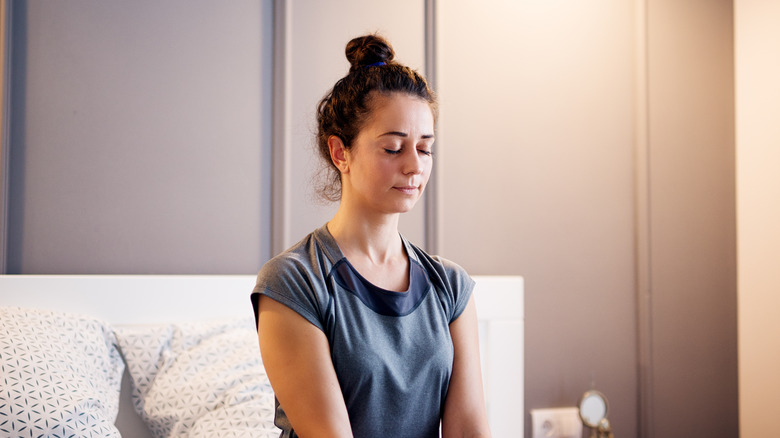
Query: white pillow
{"x":61,"y":375}
{"x":199,"y":379}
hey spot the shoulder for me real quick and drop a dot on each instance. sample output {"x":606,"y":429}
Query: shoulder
{"x":286,"y":265}
{"x":297,"y":278}
{"x":455,"y":274}
{"x":451,"y":281}
{"x":305,"y":265}
{"x":443,"y":272}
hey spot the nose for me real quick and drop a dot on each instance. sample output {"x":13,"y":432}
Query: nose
{"x":413,"y":164}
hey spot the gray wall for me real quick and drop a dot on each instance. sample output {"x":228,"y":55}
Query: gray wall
{"x":140,"y":137}
{"x":587,"y":146}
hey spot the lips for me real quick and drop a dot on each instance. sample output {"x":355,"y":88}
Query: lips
{"x":410,"y":190}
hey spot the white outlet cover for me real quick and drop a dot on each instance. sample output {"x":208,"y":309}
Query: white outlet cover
{"x":556,"y":423}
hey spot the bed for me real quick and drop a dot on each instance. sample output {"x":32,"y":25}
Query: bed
{"x":187,"y":362}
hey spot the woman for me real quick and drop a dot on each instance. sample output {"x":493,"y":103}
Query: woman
{"x":362,"y":333}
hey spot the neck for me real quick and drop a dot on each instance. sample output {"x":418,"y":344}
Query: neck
{"x":374,"y":237}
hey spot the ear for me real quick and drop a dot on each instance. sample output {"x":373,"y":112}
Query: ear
{"x":338,"y":153}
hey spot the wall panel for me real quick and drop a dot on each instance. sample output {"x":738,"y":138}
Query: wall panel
{"x":318,"y":33}
{"x":757,"y":38}
{"x":536,"y":179}
{"x":692,"y":218}
{"x":138,"y":139}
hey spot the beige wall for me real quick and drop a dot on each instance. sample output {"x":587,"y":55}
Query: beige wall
{"x":589,"y":147}
{"x":536,"y":150}
{"x":757,"y":39}
{"x":691,"y":210}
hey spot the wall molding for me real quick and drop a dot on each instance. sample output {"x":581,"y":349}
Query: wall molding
{"x":431,"y":200}
{"x":281,"y":127}
{"x":642,"y":223}
{"x":5,"y":117}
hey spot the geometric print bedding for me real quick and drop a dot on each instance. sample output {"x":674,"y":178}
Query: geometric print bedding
{"x":60,"y":375}
{"x":200,"y":379}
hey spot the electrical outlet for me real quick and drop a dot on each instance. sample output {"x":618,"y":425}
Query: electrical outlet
{"x":556,"y":423}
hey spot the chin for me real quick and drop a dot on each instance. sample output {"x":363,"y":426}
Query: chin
{"x":397,"y":206}
{"x":405,"y":208}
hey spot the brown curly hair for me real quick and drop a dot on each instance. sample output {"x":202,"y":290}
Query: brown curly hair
{"x":345,"y":109}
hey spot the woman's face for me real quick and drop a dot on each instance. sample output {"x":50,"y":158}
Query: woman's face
{"x":390,"y":160}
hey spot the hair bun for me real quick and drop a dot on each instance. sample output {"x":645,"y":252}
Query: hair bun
{"x":367,"y":50}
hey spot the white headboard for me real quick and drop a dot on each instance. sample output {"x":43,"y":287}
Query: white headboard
{"x":500,"y":308}
{"x":132,"y":299}
{"x":150,"y":299}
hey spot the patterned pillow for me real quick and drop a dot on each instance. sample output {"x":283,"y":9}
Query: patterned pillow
{"x":61,"y":375}
{"x":201,"y":379}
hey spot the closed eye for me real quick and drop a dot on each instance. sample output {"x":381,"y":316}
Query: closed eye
{"x":393,"y":151}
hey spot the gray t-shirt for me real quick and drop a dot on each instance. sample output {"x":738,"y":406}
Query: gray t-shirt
{"x":392,"y":351}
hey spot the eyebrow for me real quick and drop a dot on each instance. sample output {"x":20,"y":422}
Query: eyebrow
{"x":403,"y":134}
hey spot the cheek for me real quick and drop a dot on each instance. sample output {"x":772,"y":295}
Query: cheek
{"x":428,"y":169}
{"x":383,"y":168}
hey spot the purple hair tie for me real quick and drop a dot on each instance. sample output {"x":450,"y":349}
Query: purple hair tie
{"x":376,"y":64}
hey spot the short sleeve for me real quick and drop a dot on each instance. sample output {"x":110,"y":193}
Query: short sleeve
{"x":294,"y":282}
{"x":457,"y":284}
{"x":461,"y":287}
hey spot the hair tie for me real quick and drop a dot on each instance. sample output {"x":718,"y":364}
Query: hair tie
{"x":376,"y":64}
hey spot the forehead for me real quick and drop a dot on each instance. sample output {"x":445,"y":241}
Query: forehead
{"x":400,"y":110}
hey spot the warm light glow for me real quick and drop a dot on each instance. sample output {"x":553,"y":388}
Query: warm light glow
{"x":757,"y":39}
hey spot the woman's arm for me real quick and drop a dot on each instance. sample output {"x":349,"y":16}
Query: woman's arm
{"x":464,"y":409}
{"x":297,"y":359}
